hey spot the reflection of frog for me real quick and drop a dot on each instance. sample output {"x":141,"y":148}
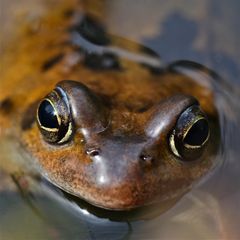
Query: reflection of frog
{"x":121,"y":133}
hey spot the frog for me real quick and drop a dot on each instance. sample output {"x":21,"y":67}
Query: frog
{"x":102,"y":118}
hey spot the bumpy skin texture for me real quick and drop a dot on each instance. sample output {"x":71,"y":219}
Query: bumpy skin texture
{"x":123,"y":160}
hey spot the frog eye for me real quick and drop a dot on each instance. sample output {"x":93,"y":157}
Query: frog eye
{"x":54,"y":118}
{"x":190,"y":135}
{"x":47,"y":115}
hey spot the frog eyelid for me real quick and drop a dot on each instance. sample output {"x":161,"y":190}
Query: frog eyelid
{"x":87,"y":109}
{"x":162,"y":116}
{"x":64,"y":97}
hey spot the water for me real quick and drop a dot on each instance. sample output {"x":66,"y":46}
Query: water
{"x":207,"y":33}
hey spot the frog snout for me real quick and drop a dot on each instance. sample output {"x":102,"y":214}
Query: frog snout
{"x":118,"y":173}
{"x":116,"y":160}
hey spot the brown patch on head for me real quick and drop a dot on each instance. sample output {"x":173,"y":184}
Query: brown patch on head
{"x":67,"y":13}
{"x":6,"y":105}
{"x":138,"y":106}
{"x":51,"y":62}
{"x":93,"y":30}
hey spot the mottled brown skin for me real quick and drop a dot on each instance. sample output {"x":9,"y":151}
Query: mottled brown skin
{"x":135,"y":101}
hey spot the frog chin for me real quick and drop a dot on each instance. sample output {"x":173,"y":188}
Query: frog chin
{"x":118,"y":199}
{"x":123,"y":196}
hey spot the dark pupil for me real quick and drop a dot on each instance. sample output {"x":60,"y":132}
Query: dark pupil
{"x":47,"y":115}
{"x":198,"y":133}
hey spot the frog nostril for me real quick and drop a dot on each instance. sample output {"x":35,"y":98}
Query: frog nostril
{"x":93,"y":152}
{"x":146,"y":159}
